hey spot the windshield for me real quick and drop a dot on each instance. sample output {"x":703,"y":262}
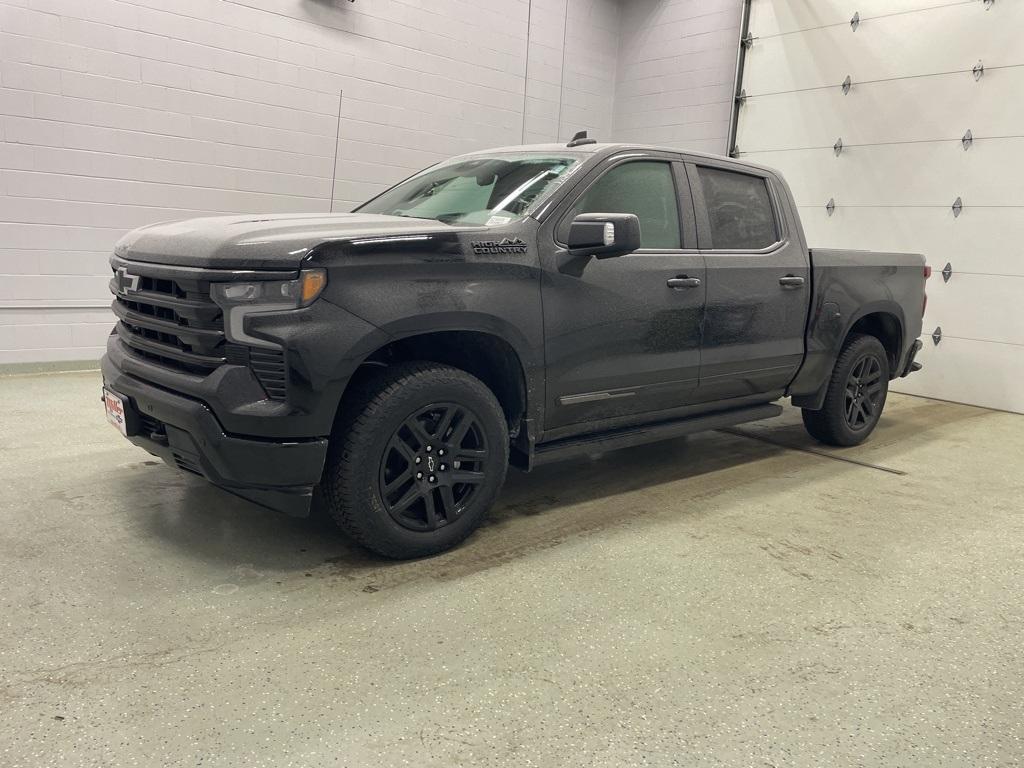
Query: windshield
{"x":483,"y":190}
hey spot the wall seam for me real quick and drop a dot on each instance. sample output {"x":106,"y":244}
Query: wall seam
{"x":526,"y":68}
{"x":561,"y":76}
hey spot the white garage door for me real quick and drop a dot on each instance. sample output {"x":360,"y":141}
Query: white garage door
{"x":916,"y":88}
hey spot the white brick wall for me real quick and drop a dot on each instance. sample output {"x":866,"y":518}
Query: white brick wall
{"x":573,"y":53}
{"x":677,"y":63}
{"x":118,"y":113}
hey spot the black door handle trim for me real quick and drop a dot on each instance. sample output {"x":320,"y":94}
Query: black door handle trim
{"x":683,"y":282}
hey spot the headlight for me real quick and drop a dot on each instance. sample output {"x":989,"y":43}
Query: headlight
{"x":281,"y":293}
{"x":239,"y":300}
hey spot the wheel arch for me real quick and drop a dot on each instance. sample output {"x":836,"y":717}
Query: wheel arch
{"x":885,"y":323}
{"x":882,"y":319}
{"x":482,"y":352}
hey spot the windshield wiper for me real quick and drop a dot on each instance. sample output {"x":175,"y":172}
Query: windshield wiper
{"x":448,"y":218}
{"x":410,"y":216}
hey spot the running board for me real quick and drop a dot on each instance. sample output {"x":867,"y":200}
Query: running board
{"x":571,"y":447}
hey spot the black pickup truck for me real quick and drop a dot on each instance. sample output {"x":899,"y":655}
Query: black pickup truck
{"x":517,"y":305}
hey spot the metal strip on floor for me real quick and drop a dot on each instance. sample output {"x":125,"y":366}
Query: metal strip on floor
{"x":823,"y":454}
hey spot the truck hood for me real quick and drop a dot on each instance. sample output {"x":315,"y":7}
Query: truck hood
{"x":278,"y":241}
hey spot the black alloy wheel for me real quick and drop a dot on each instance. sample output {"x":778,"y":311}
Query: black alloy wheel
{"x":863,"y":392}
{"x":432,"y":466}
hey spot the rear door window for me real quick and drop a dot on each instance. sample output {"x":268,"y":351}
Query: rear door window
{"x":739,"y":210}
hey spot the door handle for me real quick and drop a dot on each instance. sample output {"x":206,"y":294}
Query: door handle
{"x":683,"y":282}
{"x":791,"y":281}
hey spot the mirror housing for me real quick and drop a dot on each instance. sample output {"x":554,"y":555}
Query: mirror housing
{"x":604,"y":235}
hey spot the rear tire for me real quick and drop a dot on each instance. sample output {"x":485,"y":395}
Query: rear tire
{"x":416,"y":460}
{"x":855,"y":396}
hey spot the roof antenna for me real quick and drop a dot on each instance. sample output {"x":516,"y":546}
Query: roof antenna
{"x":580,"y":139}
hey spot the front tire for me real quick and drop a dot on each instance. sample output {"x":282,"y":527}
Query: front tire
{"x":856,"y":394}
{"x":417,"y":460}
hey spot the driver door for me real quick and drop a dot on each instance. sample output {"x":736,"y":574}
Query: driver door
{"x":622,"y":342}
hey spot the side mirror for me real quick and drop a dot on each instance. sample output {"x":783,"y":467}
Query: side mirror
{"x":604,"y":235}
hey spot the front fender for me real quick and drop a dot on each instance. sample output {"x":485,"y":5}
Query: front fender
{"x":461,"y":320}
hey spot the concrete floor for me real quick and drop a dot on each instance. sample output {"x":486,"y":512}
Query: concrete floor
{"x":720,"y":600}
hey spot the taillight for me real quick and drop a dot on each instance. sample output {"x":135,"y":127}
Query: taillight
{"x":927,"y":274}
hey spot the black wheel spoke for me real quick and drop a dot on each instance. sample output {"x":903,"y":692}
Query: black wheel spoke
{"x":402,"y":447}
{"x":460,"y":432}
{"x":428,"y":504}
{"x":406,"y":501}
{"x":408,"y":441}
{"x":469,"y":454}
{"x":447,"y":502}
{"x":398,"y":482}
{"x":419,"y":432}
{"x":467,"y":477}
{"x":460,"y":428}
{"x":446,"y":421}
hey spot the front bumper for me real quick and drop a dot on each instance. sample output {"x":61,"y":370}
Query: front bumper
{"x":278,"y":473}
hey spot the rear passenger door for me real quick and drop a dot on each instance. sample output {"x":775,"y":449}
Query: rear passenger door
{"x":758,"y":282}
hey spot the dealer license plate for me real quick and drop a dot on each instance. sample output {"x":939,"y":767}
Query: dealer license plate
{"x":114,"y":407}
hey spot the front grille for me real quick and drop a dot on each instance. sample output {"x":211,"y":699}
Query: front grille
{"x":166,"y":315}
{"x":169,"y":320}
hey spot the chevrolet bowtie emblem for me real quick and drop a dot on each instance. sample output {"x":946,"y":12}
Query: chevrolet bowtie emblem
{"x":126,"y":282}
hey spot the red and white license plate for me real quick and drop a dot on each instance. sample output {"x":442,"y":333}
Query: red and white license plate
{"x":114,"y":407}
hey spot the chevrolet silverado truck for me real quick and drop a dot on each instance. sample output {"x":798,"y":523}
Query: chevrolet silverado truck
{"x":513,"y":306}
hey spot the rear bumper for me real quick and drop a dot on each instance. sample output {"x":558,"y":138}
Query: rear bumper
{"x":911,"y":364}
{"x":278,"y":473}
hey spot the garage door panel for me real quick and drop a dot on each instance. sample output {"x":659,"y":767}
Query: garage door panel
{"x":907,"y":45}
{"x":942,"y":107}
{"x":956,"y":307}
{"x":928,"y":173}
{"x":902,"y":164}
{"x":977,"y":372}
{"x":980,"y":241}
{"x":784,"y":16}
{"x":916,"y":230}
